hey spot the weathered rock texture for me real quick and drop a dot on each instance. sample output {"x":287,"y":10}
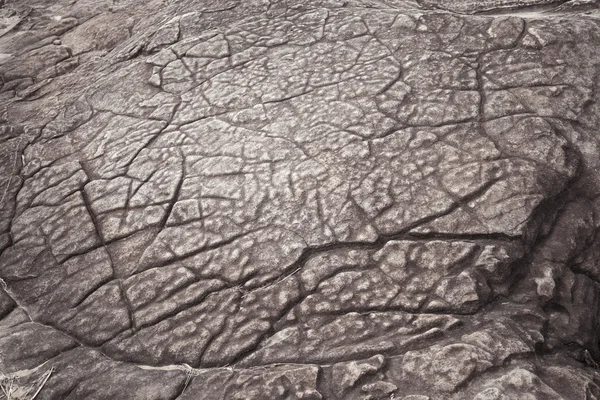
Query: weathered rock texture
{"x":301,"y":199}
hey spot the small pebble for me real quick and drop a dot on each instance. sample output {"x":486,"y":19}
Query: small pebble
{"x":57,"y":42}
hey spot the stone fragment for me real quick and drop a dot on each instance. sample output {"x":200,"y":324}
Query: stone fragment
{"x":440,"y":369}
{"x":379,"y":389}
{"x":518,"y":382}
{"x":346,"y":375}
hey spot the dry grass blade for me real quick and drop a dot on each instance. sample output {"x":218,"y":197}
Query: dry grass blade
{"x":42,"y":381}
{"x":13,"y":389}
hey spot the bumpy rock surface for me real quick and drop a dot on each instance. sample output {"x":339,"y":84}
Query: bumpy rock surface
{"x":227,"y":199}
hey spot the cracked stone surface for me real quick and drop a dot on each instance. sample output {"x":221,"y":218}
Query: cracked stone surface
{"x":285,"y":199}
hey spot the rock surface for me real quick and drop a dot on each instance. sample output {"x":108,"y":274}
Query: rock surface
{"x":301,"y":199}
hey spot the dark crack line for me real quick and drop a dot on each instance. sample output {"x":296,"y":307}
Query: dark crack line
{"x":310,"y":252}
{"x":124,"y":298}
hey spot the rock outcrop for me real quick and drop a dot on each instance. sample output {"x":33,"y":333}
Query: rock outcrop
{"x":300,"y":199}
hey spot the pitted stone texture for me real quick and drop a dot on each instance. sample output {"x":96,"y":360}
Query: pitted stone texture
{"x":474,"y":6}
{"x":279,"y":382}
{"x":293,"y":199}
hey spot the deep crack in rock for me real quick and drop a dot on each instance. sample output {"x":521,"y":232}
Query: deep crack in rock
{"x":289,"y":199}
